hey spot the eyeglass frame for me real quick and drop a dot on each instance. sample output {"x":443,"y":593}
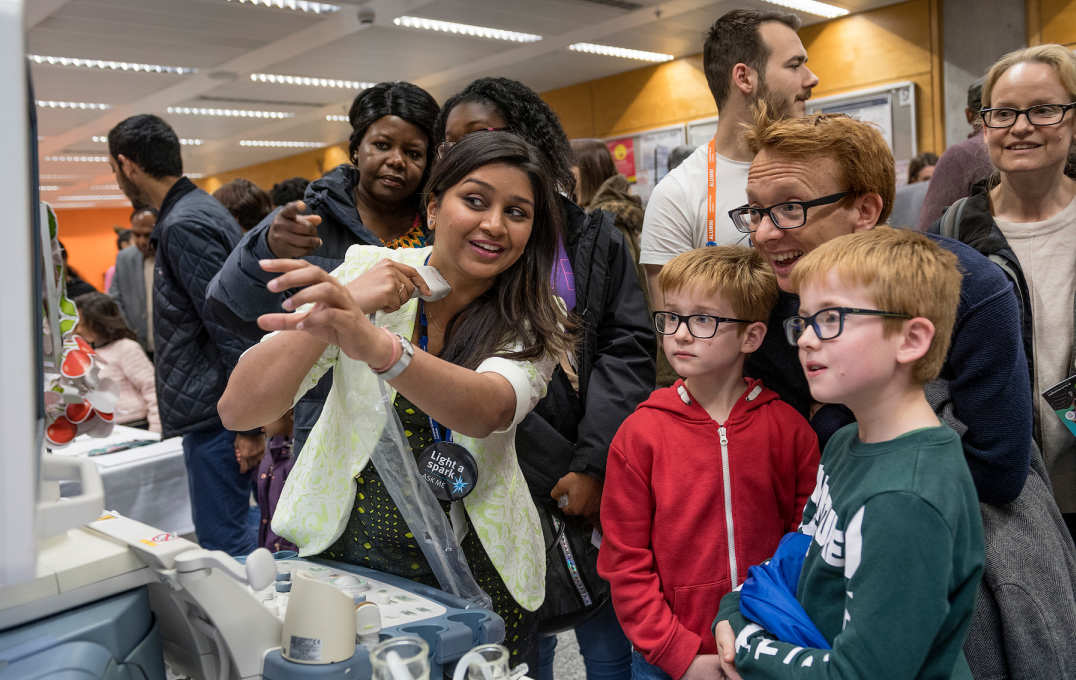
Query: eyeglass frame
{"x":685,"y":319}
{"x":445,"y":146}
{"x":812,"y":322}
{"x":804,"y":205}
{"x":1026,"y":113}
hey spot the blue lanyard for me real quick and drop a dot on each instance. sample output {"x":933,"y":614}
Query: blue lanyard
{"x":423,"y":342}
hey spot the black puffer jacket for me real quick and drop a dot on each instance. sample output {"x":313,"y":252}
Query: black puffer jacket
{"x":195,"y":353}
{"x":570,"y":431}
{"x":238,"y":296}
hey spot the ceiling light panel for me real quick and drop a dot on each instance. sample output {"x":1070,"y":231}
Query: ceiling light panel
{"x":279,"y":144}
{"x":77,"y":62}
{"x":102,"y":139}
{"x":49,"y":187}
{"x":309,"y":81}
{"x":65,"y":158}
{"x":293,"y":5}
{"x":621,"y":52}
{"x":337,"y":118}
{"x":94,"y":197}
{"x":467,"y":30}
{"x":228,"y":113}
{"x":50,"y":104}
{"x":822,"y":9}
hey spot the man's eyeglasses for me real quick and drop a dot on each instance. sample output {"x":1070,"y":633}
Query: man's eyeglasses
{"x":1042,"y":114}
{"x":787,"y":215}
{"x":444,"y":146}
{"x":828,"y":323}
{"x":701,"y":326}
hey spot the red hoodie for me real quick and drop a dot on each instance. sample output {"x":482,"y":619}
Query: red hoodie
{"x":689,"y":504}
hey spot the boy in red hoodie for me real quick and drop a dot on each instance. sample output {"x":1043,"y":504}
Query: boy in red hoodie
{"x":707,"y":475}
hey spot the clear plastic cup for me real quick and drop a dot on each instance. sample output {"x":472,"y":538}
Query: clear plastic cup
{"x":486,"y":662}
{"x":401,"y":658}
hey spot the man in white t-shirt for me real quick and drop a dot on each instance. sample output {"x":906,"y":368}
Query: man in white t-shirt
{"x":748,"y":56}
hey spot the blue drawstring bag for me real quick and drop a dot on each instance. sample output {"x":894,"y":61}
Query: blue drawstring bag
{"x":768,"y":595}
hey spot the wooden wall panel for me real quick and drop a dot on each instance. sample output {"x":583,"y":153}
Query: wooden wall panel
{"x":891,"y":44}
{"x":1052,"y":21}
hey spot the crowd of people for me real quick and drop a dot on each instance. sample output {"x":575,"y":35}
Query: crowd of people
{"x":772,"y":436}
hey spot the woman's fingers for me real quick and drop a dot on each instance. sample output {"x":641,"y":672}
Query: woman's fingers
{"x":293,"y":276}
{"x":326,"y":293}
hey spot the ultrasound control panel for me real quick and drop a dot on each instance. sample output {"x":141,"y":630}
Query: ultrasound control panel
{"x":397,"y":606}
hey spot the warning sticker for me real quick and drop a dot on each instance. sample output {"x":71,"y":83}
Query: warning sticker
{"x":304,"y":649}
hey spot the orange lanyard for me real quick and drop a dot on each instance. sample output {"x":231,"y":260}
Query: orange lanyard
{"x":711,"y":195}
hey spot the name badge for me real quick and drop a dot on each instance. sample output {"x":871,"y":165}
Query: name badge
{"x":449,"y":469}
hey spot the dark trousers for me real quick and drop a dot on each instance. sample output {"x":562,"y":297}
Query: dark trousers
{"x":220,"y":496}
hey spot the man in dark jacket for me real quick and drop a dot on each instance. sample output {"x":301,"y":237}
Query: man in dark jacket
{"x":193,"y":236}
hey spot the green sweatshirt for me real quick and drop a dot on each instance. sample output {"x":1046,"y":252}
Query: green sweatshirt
{"x":891,"y":575}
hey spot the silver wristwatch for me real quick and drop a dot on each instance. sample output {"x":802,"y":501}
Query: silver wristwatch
{"x":407,"y":353}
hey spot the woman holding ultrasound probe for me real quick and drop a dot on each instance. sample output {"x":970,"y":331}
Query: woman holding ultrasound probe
{"x":462,"y":372}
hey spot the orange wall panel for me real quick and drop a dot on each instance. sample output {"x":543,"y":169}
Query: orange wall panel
{"x":90,"y":239}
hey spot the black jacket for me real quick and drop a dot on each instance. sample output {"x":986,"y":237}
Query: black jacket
{"x":237,"y":295}
{"x":195,"y":353}
{"x":569,"y":431}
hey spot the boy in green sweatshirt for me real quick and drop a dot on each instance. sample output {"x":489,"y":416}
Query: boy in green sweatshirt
{"x":896,"y":554}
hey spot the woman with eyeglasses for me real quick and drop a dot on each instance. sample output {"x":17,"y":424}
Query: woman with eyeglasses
{"x":563,"y":444}
{"x":1025,"y":220}
{"x":373,"y":200}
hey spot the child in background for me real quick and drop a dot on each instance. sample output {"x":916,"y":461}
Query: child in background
{"x":707,"y":475}
{"x":121,"y":358}
{"x":272,"y":473}
{"x":891,"y":574}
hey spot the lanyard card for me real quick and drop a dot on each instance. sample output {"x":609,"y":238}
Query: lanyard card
{"x":1062,"y":399}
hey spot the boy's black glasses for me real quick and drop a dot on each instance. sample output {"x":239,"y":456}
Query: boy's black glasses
{"x":828,"y":323}
{"x":701,"y":326}
{"x":787,"y":215}
{"x":1041,"y":114}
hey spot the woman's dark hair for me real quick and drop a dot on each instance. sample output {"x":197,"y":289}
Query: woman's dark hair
{"x":247,"y":203}
{"x":400,"y":99}
{"x":102,"y":316}
{"x":522,"y":296}
{"x":923,"y":160}
{"x":123,"y":237}
{"x":526,"y":115}
{"x":595,"y":165}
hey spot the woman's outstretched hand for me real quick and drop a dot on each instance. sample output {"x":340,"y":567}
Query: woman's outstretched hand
{"x":335,"y":316}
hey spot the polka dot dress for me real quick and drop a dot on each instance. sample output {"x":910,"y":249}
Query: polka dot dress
{"x":377,"y":537}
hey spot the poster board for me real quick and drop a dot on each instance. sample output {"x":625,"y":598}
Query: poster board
{"x":889,"y":107}
{"x":701,"y":131}
{"x":643,"y":157}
